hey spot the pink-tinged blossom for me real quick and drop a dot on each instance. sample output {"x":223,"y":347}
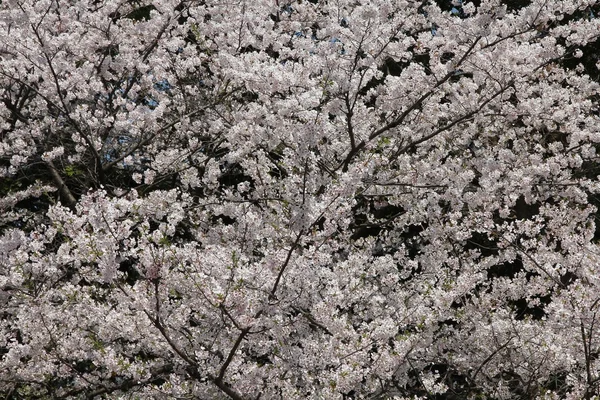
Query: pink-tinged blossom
{"x":322,"y":200}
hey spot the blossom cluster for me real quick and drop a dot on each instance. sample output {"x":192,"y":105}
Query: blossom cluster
{"x":299,"y":199}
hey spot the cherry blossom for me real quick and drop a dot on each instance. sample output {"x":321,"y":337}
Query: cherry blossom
{"x":299,"y":199}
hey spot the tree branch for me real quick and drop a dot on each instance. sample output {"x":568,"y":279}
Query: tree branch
{"x":451,"y":124}
{"x":63,"y":189}
{"x":417,"y":103}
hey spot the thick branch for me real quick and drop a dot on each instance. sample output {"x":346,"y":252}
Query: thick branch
{"x":349,"y":115}
{"x":285,"y":264}
{"x":228,"y":390}
{"x":231,"y":354}
{"x":63,"y":189}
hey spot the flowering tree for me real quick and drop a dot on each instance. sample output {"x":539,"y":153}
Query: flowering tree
{"x":306,"y":199}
